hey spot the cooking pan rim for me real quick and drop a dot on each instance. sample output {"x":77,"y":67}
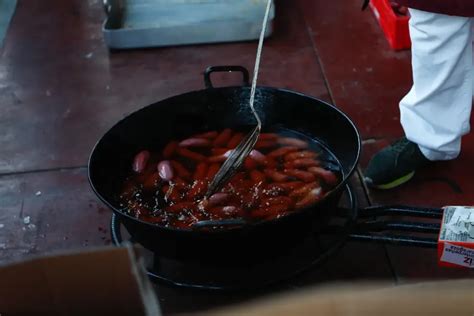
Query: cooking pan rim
{"x":252,"y":224}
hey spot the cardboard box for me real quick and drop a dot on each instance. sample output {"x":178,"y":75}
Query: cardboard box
{"x":455,"y":297}
{"x":106,"y":281}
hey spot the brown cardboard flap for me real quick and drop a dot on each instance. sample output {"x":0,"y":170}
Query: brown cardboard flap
{"x":106,"y":280}
{"x":430,"y":298}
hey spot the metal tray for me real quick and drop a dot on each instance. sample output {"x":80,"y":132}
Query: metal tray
{"x":157,"y":23}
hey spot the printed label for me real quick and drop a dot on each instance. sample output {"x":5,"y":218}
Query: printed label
{"x":458,"y":224}
{"x":458,"y":255}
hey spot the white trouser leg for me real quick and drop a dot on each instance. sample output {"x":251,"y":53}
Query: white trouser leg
{"x":436,"y":111}
{"x":472,"y":31}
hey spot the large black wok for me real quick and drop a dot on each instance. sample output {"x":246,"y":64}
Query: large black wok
{"x":215,"y":108}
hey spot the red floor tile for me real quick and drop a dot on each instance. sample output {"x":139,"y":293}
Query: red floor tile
{"x":62,"y":89}
{"x":421,"y":264}
{"x":48,"y":212}
{"x":367,"y":82}
{"x":366,"y":78}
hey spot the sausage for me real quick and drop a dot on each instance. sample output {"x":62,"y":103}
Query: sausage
{"x":281,"y":151}
{"x":171,"y":194}
{"x":220,"y":158}
{"x":152,"y":181}
{"x":207,"y":135}
{"x":165,"y":170}
{"x":264,"y":144}
{"x":328,"y":176}
{"x":301,"y":163}
{"x":270,"y":163}
{"x":180,"y":169}
{"x":217,"y":199}
{"x":195,"y":142}
{"x":181,"y":206}
{"x":312,"y":197}
{"x":300,"y":155}
{"x":251,"y":196}
{"x":201,"y":171}
{"x":179,"y":184}
{"x":277,"y":200}
{"x":170,"y":149}
{"x":237,"y":178}
{"x":223,"y":138}
{"x":216,"y":212}
{"x":273,"y":189}
{"x":219,"y":151}
{"x":235,"y":140}
{"x":141,"y":177}
{"x":269,"y":212}
{"x":250,"y":164}
{"x":196,"y":216}
{"x":225,"y":211}
{"x":268,"y":136}
{"x":301,"y":191}
{"x":257,"y":156}
{"x":300,"y":175}
{"x":276,"y":175}
{"x":184,"y":152}
{"x":290,"y":141}
{"x":292,"y":185}
{"x":212,"y":171}
{"x":257,"y":176}
{"x":197,"y":190}
{"x":238,"y":184}
{"x":140,"y":161}
{"x":138,"y":209}
{"x":231,"y":210}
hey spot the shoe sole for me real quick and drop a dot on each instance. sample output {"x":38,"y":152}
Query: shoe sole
{"x":393,"y":184}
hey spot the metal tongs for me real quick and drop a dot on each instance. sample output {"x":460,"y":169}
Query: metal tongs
{"x":238,"y":155}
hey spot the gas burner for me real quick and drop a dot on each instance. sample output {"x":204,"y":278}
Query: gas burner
{"x":313,"y":251}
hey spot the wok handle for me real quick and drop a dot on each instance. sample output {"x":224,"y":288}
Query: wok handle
{"x":225,"y":222}
{"x":401,"y":210}
{"x":396,"y":240}
{"x":211,"y":69}
{"x":115,"y":231}
{"x":370,"y":228}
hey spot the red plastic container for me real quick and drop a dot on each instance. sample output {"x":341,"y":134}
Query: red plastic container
{"x":395,"y":27}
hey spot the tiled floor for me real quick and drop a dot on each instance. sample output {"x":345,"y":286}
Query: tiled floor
{"x":61,"y":89}
{"x":367,"y":80}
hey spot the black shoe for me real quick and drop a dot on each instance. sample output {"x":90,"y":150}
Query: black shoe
{"x":394,"y":165}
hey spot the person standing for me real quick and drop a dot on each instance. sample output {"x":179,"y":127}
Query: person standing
{"x":436,"y":111}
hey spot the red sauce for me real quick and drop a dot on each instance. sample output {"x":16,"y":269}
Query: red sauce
{"x":284,"y":173}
